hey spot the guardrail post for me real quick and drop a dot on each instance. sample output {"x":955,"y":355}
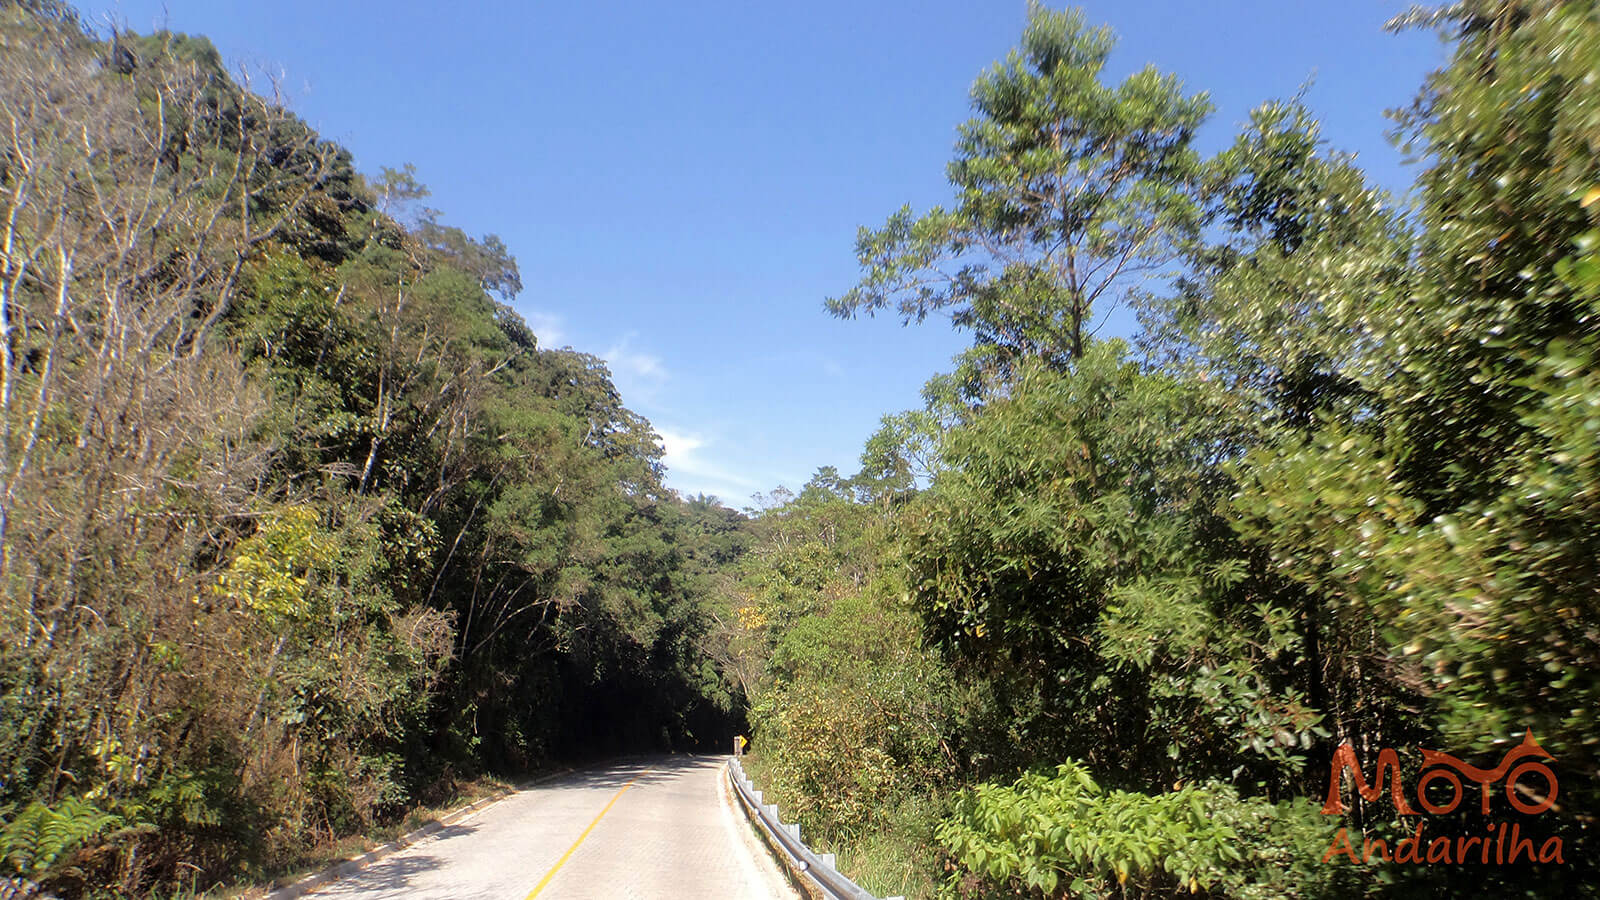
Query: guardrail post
{"x":819,"y":870}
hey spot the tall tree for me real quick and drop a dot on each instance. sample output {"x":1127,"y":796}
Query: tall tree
{"x":1069,"y":191}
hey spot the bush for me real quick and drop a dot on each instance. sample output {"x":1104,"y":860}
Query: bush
{"x":1062,"y":834}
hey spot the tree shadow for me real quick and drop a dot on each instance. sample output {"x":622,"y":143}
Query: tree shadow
{"x":640,"y":771}
{"x":393,"y":876}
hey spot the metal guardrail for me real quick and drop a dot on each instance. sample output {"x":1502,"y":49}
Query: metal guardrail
{"x":817,"y":868}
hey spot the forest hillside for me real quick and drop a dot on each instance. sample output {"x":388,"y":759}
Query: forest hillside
{"x":301,"y":527}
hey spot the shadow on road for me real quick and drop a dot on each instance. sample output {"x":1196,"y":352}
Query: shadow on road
{"x":394,"y":874}
{"x":392,"y":877}
{"x":641,"y":771}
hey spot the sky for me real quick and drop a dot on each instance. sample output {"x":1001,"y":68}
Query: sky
{"x":681,"y":183}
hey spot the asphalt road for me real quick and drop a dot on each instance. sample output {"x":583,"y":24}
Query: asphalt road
{"x":658,"y":828}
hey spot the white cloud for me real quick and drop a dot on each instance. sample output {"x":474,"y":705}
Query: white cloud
{"x":549,"y":328}
{"x":689,"y":473}
{"x":638,"y":375}
{"x":679,"y":447}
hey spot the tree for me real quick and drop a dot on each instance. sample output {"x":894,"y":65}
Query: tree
{"x":130,"y":203}
{"x":1456,"y":506}
{"x":1434,"y":492}
{"x":1271,"y":314}
{"x":400,"y":195}
{"x":1069,"y":192}
{"x":297,"y":523}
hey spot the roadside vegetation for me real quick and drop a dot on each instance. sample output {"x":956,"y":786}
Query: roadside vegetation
{"x":1093,"y":621}
{"x":301,"y":529}
{"x":303,"y":533}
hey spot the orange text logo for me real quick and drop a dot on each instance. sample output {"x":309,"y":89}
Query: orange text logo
{"x":1444,"y":782}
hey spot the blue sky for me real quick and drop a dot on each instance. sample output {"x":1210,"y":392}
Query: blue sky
{"x":681,"y":182}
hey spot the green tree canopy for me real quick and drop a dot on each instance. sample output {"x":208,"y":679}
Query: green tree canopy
{"x":1069,"y":191}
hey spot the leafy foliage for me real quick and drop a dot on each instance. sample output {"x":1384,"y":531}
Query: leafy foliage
{"x":40,"y":839}
{"x":1065,"y":835}
{"x":1068,"y":191}
{"x":300,"y":524}
{"x":1346,"y":494}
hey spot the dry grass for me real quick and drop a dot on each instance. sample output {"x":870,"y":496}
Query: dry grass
{"x":896,"y":857}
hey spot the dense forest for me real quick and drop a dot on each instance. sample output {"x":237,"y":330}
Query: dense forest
{"x":301,"y":528}
{"x":1094,"y":621}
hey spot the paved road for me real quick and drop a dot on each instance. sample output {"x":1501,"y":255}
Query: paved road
{"x":659,"y":829}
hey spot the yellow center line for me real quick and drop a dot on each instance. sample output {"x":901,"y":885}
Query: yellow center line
{"x":545,"y":882}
